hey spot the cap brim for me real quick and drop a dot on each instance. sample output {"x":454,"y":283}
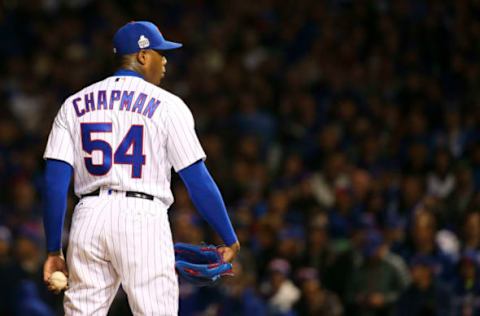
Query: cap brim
{"x":167,"y":45}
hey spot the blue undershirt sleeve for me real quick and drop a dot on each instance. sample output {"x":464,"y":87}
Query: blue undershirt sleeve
{"x":57,"y":180}
{"x":208,"y":200}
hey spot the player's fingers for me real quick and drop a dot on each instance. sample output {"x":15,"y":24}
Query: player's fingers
{"x":55,"y":290}
{"x":227,"y":254}
{"x":46,"y":277}
{"x":224,"y":269}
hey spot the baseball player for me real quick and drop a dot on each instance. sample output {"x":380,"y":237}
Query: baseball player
{"x":120,"y":137}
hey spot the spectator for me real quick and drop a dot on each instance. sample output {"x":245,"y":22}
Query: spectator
{"x":5,"y":246}
{"x":319,"y":254}
{"x":425,"y":296}
{"x":441,"y":181}
{"x":280,"y":292}
{"x":423,"y":243}
{"x":239,"y":295}
{"x":291,"y":245}
{"x":461,"y":198}
{"x":376,"y":284}
{"x":467,"y":286}
{"x":471,"y":231}
{"x":315,"y":299}
{"x":348,"y":259}
{"x":5,"y":268}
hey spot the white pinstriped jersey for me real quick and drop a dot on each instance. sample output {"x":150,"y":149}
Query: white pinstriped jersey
{"x":125,"y":134}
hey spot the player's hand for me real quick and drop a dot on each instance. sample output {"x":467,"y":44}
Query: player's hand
{"x":229,"y":253}
{"x":53,"y":263}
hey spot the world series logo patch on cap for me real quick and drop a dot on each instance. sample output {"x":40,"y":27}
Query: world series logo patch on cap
{"x":143,"y":42}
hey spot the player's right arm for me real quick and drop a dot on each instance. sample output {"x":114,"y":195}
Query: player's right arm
{"x":58,"y":172}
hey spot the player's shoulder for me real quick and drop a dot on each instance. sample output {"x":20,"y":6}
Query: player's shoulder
{"x":170,"y":100}
{"x":165,"y":95}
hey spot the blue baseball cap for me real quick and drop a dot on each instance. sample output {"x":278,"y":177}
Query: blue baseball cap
{"x":138,"y":35}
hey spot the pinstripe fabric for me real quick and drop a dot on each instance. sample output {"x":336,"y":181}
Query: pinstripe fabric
{"x":115,"y":239}
{"x":169,"y":138}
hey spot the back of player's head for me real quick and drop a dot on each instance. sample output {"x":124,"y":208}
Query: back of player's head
{"x":137,"y":35}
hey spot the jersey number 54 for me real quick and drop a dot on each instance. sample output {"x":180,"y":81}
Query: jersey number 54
{"x":133,"y":139}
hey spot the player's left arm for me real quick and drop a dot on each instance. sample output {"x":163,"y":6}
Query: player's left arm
{"x":208,"y":200}
{"x":186,"y":156}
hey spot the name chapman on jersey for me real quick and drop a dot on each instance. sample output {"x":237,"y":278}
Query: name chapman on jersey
{"x":117,"y":99}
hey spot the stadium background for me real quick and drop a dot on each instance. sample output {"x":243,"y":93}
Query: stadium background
{"x":344,"y":136}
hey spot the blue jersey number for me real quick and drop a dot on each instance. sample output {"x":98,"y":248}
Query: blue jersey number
{"x":133,"y":139}
{"x":90,"y":145}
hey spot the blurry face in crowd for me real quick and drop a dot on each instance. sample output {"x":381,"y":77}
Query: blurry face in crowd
{"x":318,"y":238}
{"x":464,"y":178}
{"x":329,"y":138}
{"x":293,"y":165}
{"x":472,"y":228}
{"x":266,"y":237}
{"x":412,"y":190}
{"x":343,"y":200}
{"x":276,"y":279}
{"x":453,"y":120}
{"x":476,"y":154}
{"x":442,"y":161}
{"x":290,"y":247}
{"x":4,"y":248}
{"x":418,"y":154}
{"x":24,"y":195}
{"x":424,"y":229}
{"x":311,"y":290}
{"x":375,"y":203}
{"x":395,"y":234}
{"x":26,"y":250}
{"x":360,"y":184}
{"x":347,"y":110}
{"x":468,"y":270}
{"x":334,"y":165}
{"x":379,"y":253}
{"x":278,"y":202}
{"x":422,"y":276}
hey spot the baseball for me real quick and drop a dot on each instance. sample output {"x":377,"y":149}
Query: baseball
{"x":58,"y":280}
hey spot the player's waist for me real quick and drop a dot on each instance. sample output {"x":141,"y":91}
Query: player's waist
{"x":108,"y":191}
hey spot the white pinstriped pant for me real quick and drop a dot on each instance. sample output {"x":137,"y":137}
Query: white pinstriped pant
{"x":116,"y":239}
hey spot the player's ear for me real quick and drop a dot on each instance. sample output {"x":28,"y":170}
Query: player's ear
{"x":142,"y":57}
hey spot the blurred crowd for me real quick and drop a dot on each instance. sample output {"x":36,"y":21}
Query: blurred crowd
{"x":344,"y":136}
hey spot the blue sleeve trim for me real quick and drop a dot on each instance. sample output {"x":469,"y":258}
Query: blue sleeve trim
{"x":57,"y":180}
{"x":208,"y":200}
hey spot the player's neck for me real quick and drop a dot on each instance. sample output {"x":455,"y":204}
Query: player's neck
{"x":133,"y":68}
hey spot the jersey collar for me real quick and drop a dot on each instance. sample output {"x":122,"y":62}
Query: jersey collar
{"x":127,"y":72}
